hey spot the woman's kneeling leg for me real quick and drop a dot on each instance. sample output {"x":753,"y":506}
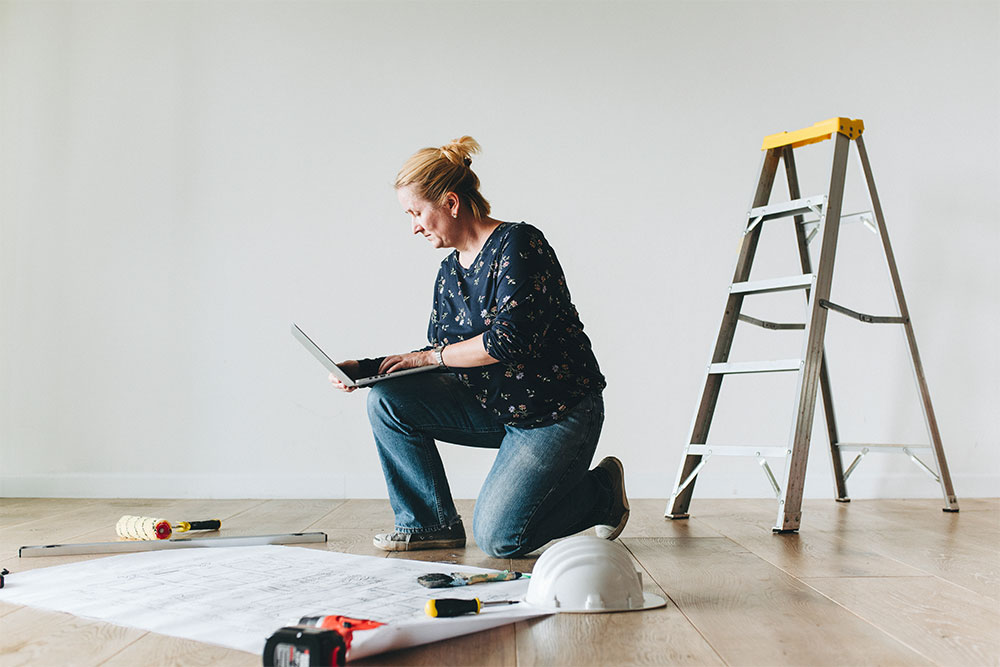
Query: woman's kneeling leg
{"x":540,"y":488}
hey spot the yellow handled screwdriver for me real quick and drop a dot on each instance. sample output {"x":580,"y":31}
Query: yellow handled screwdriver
{"x":445,"y":607}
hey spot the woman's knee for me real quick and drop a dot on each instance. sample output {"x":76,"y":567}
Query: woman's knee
{"x":495,"y":539}
{"x":383,"y":403}
{"x":404,"y":400}
{"x":376,"y":402}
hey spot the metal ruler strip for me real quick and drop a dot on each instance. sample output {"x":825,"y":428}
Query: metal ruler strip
{"x":132,"y":546}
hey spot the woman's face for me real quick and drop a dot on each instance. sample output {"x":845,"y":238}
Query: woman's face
{"x":432,"y":220}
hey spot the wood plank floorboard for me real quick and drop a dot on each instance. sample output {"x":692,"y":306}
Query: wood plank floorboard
{"x":936,"y":618}
{"x":491,"y":648}
{"x":814,"y":553}
{"x":866,"y":582}
{"x":39,"y":637}
{"x":180,"y":652}
{"x":972,"y":566}
{"x":646,"y":520}
{"x":653,"y":637}
{"x":752,"y":613}
{"x":952,"y":546}
{"x":279,"y":516}
{"x":15,"y":511}
{"x":959,"y":547}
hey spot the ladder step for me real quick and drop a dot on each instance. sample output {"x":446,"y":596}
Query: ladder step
{"x":756,"y":367}
{"x":788,"y":209}
{"x":738,"y":450}
{"x":774,"y":284}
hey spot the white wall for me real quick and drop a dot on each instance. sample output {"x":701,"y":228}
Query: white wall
{"x":179,"y":181}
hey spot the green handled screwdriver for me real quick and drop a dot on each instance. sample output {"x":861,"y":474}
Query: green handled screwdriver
{"x":444,"y":607}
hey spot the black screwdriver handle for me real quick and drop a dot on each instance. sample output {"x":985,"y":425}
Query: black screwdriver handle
{"x":445,"y":607}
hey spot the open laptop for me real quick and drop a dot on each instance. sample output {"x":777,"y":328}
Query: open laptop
{"x":327,"y":362}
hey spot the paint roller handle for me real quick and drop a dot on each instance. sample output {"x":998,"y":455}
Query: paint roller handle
{"x":210,"y":524}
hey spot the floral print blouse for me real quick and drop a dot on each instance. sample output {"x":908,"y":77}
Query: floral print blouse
{"x":516,"y":293}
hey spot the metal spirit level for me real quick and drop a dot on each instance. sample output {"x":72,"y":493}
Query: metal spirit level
{"x":131,"y":546}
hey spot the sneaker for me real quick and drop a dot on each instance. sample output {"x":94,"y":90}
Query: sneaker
{"x":448,"y":538}
{"x":618,"y":514}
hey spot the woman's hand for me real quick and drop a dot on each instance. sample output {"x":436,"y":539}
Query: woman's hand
{"x":351,"y":368}
{"x":399,"y":362}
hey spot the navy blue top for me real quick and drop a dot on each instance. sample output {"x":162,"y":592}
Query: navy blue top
{"x":515,"y":291}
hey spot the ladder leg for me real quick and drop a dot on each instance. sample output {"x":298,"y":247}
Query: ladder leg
{"x":680,"y":498}
{"x":790,"y":503}
{"x":839,"y":479}
{"x":951,"y":501}
{"x":791,"y":175}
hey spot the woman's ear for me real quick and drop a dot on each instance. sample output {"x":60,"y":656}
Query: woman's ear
{"x":454,"y":203}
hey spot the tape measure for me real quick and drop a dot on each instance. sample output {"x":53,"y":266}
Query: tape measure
{"x":305,"y":646}
{"x":321,"y":641}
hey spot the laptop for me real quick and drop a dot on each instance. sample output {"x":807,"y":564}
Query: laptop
{"x":327,"y":362}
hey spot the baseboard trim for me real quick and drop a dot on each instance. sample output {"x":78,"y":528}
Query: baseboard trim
{"x":337,"y":485}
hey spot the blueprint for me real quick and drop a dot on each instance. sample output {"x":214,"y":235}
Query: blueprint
{"x":238,"y":596}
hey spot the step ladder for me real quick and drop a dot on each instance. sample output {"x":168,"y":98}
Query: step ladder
{"x":811,"y":367}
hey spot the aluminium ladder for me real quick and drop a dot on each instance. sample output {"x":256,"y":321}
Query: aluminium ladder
{"x":811,"y":367}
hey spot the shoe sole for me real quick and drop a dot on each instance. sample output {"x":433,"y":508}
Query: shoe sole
{"x":624,"y":499}
{"x":419,"y":546}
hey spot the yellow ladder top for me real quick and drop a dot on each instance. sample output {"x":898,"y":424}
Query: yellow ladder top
{"x":821,"y":131}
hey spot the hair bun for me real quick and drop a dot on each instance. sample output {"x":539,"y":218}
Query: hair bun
{"x":460,"y":151}
{"x":436,"y":172}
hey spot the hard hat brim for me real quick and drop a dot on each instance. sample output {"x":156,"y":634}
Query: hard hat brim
{"x":649,"y":601}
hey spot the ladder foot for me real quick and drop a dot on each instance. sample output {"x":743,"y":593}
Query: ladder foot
{"x":676,"y":517}
{"x":785,"y":531}
{"x":843,"y":500}
{"x":950,"y":509}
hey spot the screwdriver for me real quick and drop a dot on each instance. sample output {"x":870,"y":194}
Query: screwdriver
{"x":444,"y":607}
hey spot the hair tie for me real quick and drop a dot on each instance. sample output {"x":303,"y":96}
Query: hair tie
{"x":467,"y":161}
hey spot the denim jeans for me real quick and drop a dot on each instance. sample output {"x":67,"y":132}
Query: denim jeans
{"x":538,"y":489}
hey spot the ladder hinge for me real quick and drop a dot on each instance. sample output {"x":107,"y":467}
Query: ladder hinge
{"x":777,"y":326}
{"x":862,"y":317}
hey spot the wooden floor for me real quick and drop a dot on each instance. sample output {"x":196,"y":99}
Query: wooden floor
{"x":876,"y":582}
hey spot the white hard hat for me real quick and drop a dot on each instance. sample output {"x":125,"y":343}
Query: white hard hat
{"x":587,"y":574}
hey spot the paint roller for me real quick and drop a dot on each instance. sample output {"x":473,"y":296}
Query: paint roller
{"x":149,"y":528}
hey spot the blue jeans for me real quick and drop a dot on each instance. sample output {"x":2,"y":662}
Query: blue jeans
{"x":538,"y":489}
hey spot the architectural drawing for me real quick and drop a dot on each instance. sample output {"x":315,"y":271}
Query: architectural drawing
{"x":236,"y":597}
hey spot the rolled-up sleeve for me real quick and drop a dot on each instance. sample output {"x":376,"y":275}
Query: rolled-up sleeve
{"x":525,"y":297}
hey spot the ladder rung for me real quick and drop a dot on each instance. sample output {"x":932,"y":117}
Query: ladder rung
{"x":756,"y":367}
{"x":788,"y":208}
{"x":738,"y":450}
{"x":857,"y":446}
{"x":773,"y":284}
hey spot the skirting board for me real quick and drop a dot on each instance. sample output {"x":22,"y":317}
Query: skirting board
{"x":724,"y":484}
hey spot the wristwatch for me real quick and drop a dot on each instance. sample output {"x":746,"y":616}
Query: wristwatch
{"x":438,"y":355}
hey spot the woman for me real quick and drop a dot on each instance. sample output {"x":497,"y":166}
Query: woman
{"x":517,"y":374}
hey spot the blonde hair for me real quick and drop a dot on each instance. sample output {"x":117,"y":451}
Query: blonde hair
{"x":434,"y":172}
